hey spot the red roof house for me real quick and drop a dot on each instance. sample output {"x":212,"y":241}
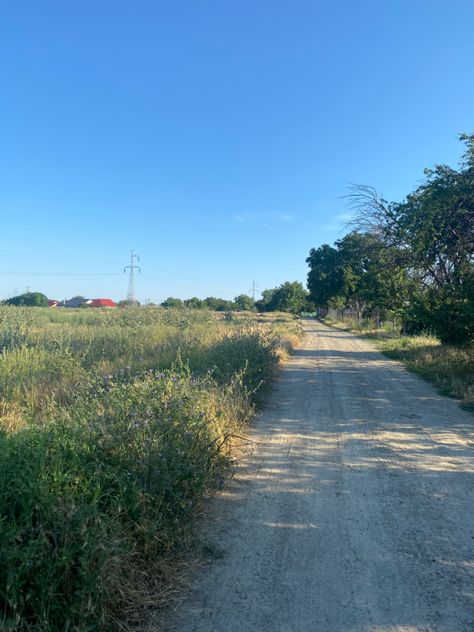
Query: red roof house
{"x":52,"y":303}
{"x":101,"y":302}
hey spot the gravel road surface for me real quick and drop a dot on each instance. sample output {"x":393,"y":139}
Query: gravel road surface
{"x":354,"y":510}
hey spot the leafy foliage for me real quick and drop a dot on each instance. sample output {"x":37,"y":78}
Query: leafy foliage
{"x":32,"y":299}
{"x":359,"y":272}
{"x":172,"y":302}
{"x":112,"y":427}
{"x":415,"y":257}
{"x":218,"y":304}
{"x":244,"y":302}
{"x":288,"y":297}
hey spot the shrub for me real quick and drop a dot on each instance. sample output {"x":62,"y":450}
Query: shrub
{"x":86,"y":503}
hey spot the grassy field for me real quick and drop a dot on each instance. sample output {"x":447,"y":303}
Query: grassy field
{"x":113,"y":426}
{"x":450,"y":368}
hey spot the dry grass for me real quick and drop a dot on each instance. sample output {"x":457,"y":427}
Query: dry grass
{"x":449,"y":368}
{"x":113,"y":429}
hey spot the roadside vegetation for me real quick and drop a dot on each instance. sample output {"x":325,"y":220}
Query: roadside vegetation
{"x":113,"y":426}
{"x":412,"y":261}
{"x":290,"y":297}
{"x":405,"y":275}
{"x":449,"y":367}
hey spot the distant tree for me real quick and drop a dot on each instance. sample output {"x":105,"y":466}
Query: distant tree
{"x":263,"y":303}
{"x":172,"y":302}
{"x":30,"y":299}
{"x":218,"y":304}
{"x":127,"y":303}
{"x":361,"y":272}
{"x":194,"y":303}
{"x":434,"y":228}
{"x":374,"y":274}
{"x":326,"y":277}
{"x":289,"y":297}
{"x":244,"y":302}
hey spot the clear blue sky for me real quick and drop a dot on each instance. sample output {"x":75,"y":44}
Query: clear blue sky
{"x":216,"y":138}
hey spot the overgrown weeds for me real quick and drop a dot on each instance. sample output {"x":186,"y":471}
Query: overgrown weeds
{"x":449,"y":367}
{"x":101,"y":473}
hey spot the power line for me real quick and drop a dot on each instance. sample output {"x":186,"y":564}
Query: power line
{"x":179,"y":276}
{"x":29,"y":257}
{"x":62,"y":274}
{"x":161,"y":281}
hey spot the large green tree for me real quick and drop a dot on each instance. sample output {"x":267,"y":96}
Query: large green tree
{"x":289,"y":297}
{"x":244,"y":302}
{"x":263,"y":304}
{"x":374,"y":275}
{"x":325,"y":278}
{"x":31,"y":299}
{"x":360,"y":272}
{"x":218,"y":304}
{"x":171,"y":301}
{"x":434,"y":228}
{"x":193,"y":303}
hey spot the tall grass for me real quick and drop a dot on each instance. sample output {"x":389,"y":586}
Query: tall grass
{"x":449,"y":367}
{"x":114,"y":426}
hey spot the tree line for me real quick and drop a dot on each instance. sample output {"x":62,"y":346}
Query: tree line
{"x":412,"y":259}
{"x":290,"y":296}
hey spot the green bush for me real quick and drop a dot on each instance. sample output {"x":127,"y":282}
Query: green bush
{"x":248,"y":353}
{"x":88,"y":501}
{"x":118,"y":423}
{"x":443,"y":313}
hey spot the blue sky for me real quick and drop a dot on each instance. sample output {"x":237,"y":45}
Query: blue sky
{"x":215,"y":138}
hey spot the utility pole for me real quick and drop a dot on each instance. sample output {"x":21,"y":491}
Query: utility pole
{"x":254,"y":290}
{"x":131,"y":296}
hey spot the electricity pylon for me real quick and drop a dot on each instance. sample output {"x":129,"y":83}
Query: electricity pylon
{"x":131,"y":296}
{"x":254,"y":290}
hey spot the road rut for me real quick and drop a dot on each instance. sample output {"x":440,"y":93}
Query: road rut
{"x":354,"y":511}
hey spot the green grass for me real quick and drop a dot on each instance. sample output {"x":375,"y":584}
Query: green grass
{"x":113,"y":427}
{"x":449,"y":368}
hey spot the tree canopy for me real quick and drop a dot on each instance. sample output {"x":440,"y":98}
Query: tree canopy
{"x":32,"y":299}
{"x":416,"y":256}
{"x":244,"y":302}
{"x":172,"y":302}
{"x":290,"y":297}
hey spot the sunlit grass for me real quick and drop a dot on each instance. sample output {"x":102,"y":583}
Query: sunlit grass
{"x":450,"y":368}
{"x":113,"y":425}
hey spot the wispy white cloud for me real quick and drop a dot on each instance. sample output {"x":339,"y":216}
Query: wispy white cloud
{"x":285,"y":217}
{"x":338,"y":222}
{"x":345,"y":217}
{"x":267,"y":218}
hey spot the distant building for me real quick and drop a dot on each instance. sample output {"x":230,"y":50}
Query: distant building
{"x":75,"y":301}
{"x":52,"y":303}
{"x":101,"y":302}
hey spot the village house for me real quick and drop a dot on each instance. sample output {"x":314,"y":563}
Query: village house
{"x":101,"y":302}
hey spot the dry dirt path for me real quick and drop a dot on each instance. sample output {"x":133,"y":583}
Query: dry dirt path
{"x":354,"y":511}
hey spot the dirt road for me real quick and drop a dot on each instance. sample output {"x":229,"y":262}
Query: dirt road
{"x":354,"y":512}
